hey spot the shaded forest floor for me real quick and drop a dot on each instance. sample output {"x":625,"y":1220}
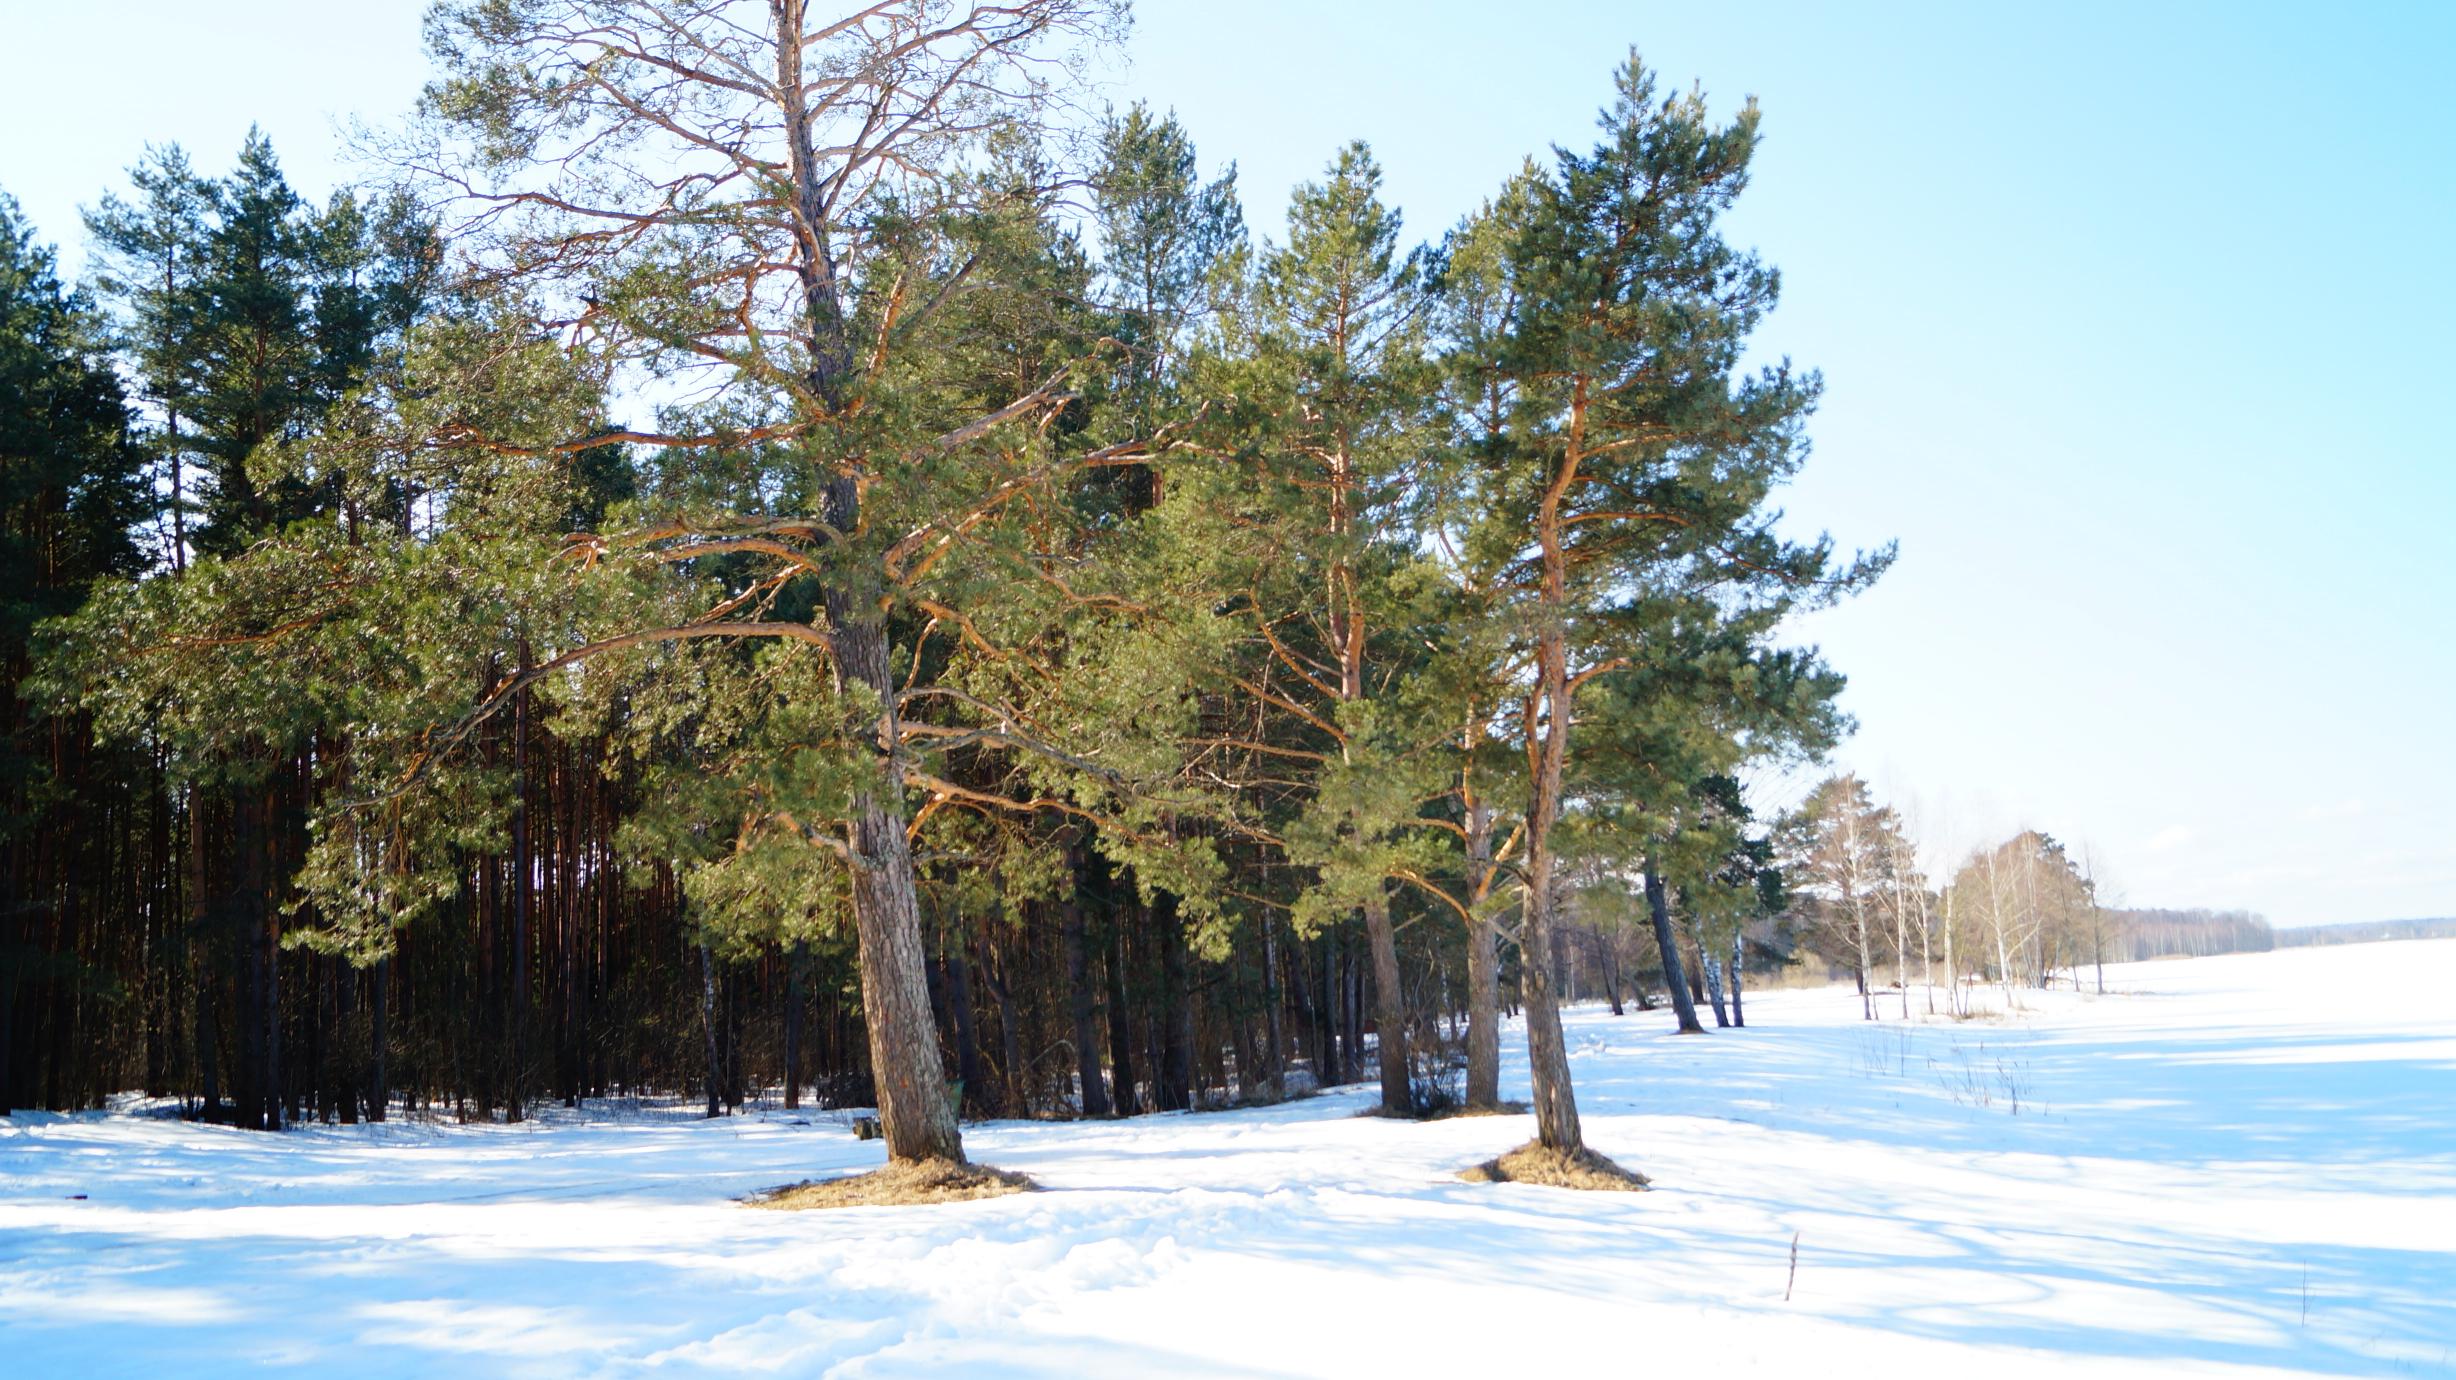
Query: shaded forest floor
{"x":2228,"y":1166}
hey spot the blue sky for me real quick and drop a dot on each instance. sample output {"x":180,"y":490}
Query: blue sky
{"x":2134,"y":319}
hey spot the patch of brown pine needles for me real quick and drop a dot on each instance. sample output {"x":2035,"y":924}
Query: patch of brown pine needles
{"x":897,"y":1185}
{"x":1532,"y":1163}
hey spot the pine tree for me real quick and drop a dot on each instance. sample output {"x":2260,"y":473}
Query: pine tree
{"x":798,"y":248}
{"x":71,"y":492}
{"x":1633,"y":464}
{"x":1336,"y":384}
{"x":150,"y":256}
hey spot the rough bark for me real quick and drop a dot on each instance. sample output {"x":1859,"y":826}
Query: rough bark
{"x":707,"y":1028}
{"x":1658,"y":907}
{"x":1483,"y":1016}
{"x":914,"y":1111}
{"x":1554,"y":1104}
{"x":1176,"y":1065}
{"x":975,"y":1078}
{"x":913,"y":1108}
{"x":1080,"y":1006}
{"x":1274,"y":1060}
{"x":379,"y":1094}
{"x":1014,"y":1094}
{"x":796,"y":959}
{"x":1483,"y":952}
{"x":1128,"y":1096}
{"x":1389,"y":1007}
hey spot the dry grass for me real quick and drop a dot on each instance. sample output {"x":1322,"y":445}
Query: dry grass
{"x":1448,"y":1113}
{"x":1531,"y":1163}
{"x":897,"y":1185}
{"x":1496,"y":1109}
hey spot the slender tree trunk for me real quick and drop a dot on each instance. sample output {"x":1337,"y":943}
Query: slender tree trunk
{"x":1867,"y":998}
{"x":975,"y":1079}
{"x":1483,"y":942}
{"x":1554,"y":1104}
{"x":1121,"y":1026}
{"x":1483,"y":1016}
{"x":1658,"y":907}
{"x":379,"y":1096}
{"x":523,"y":880}
{"x":1014,"y":1092}
{"x":1275,"y":1061}
{"x":797,"y":958}
{"x":1079,"y":1004}
{"x":1389,"y":1008}
{"x":1952,"y":974}
{"x":1606,"y":953}
{"x":1339,"y":1039}
{"x":707,"y":1028}
{"x":1927,"y":955}
{"x":1176,"y":1066}
{"x":8,"y":1010}
{"x":268,"y":966}
{"x":1714,"y":988}
{"x":1739,"y":1018}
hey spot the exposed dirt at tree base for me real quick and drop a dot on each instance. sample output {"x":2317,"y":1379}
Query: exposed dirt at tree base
{"x":897,"y":1185}
{"x":1531,"y":1163}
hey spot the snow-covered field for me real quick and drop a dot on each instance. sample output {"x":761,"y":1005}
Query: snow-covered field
{"x":2238,"y":1166}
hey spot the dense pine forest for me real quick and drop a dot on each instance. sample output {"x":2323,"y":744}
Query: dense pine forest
{"x":777,"y":549}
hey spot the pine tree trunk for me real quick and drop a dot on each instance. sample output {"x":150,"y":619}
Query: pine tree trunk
{"x":1274,"y":1061}
{"x":1337,"y":1041}
{"x":976,"y":1090}
{"x":1658,"y":907}
{"x":268,"y":968}
{"x":1483,"y":1016}
{"x":1079,"y":1005}
{"x":913,"y":1109}
{"x":516,"y":973}
{"x":707,"y":1029}
{"x":1554,"y":1104}
{"x":1389,"y":1010}
{"x":1176,"y":1074}
{"x":1014,"y":1092}
{"x":797,"y":958}
{"x":1128,"y":1097}
{"x":379,"y":1097}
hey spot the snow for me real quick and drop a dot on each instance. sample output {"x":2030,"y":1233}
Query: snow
{"x":2230,"y":1166}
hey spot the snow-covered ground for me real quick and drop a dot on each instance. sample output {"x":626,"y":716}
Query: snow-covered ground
{"x":2237,"y":1166}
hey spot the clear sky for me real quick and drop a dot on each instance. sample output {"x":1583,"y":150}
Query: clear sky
{"x":2135,"y":322}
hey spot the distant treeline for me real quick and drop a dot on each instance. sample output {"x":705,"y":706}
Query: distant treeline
{"x":2144,"y":934}
{"x":2367,"y":931}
